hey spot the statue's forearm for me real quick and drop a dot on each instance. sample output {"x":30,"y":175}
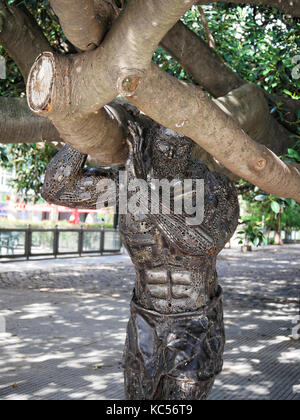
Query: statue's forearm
{"x":69,"y":184}
{"x":62,"y":173}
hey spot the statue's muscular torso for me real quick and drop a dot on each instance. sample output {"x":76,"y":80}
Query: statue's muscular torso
{"x":167,"y":280}
{"x":175,"y":262}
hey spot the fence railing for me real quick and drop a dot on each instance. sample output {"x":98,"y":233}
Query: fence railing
{"x":29,"y":242}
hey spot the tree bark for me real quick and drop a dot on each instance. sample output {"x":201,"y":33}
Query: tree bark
{"x":193,"y":114}
{"x":249,"y":107}
{"x":71,"y":91}
{"x":19,"y":125}
{"x":79,"y":23}
{"x":206,"y":67}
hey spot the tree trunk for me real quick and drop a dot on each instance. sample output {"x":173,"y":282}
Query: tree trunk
{"x":278,"y":238}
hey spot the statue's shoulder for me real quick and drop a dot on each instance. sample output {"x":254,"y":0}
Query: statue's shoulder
{"x":199,"y":170}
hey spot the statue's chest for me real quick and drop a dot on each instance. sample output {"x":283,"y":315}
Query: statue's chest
{"x":136,"y":230}
{"x":145,"y":244}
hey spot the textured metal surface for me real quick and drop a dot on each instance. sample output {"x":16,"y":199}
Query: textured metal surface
{"x":175,"y":262}
{"x":173,"y":356}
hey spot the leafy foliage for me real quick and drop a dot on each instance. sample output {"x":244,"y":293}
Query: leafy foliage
{"x":256,"y":42}
{"x":252,"y":232}
{"x":13,"y":85}
{"x":28,"y":162}
{"x":274,"y":212}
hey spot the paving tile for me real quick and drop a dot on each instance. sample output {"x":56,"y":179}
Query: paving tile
{"x":66,"y":323}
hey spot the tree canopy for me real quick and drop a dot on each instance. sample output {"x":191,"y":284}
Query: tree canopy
{"x":237,"y":59}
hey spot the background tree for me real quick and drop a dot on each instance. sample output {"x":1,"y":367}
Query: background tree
{"x":240,"y":55}
{"x":265,"y":213}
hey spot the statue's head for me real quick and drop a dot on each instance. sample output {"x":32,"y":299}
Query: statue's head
{"x":170,"y":152}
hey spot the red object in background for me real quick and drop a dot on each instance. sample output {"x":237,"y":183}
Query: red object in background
{"x":20,"y":206}
{"x":47,"y":208}
{"x":75,"y":218}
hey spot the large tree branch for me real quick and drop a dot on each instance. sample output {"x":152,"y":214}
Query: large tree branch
{"x":72,"y":91}
{"x":207,"y":68}
{"x":79,"y":85}
{"x":121,"y":60}
{"x":202,"y":62}
{"x":98,"y":132}
{"x":248,"y":106}
{"x":21,"y":36}
{"x":191,"y":43}
{"x":18,"y":124}
{"x":79,"y":23}
{"x":192,"y":113}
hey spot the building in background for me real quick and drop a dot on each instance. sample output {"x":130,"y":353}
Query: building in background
{"x":6,"y":192}
{"x":13,"y":209}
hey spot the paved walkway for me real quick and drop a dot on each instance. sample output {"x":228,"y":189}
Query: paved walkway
{"x":66,"y":323}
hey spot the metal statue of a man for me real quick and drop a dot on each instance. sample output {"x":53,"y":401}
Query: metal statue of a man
{"x":175,"y":336}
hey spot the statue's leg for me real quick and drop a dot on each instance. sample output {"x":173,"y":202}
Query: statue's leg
{"x":177,"y":356}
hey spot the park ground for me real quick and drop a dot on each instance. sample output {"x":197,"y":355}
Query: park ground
{"x":66,"y":324}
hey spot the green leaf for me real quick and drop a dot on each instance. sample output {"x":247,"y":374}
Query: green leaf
{"x":275,"y":207}
{"x":260,"y":197}
{"x":256,"y":241}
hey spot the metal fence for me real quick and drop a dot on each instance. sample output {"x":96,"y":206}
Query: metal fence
{"x":28,"y":242}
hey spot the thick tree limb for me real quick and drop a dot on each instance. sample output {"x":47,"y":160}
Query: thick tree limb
{"x":198,"y":59}
{"x":55,"y":89}
{"x":213,"y":75}
{"x":21,"y":37}
{"x":51,"y":86}
{"x":248,"y":106}
{"x":192,"y":113}
{"x":98,"y":132}
{"x":79,"y":23}
{"x":107,"y":11}
{"x":72,"y":91}
{"x":19,"y":125}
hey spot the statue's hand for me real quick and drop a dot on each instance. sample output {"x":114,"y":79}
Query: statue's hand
{"x":136,"y":147}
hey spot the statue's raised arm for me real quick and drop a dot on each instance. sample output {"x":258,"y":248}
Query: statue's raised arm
{"x":69,"y":183}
